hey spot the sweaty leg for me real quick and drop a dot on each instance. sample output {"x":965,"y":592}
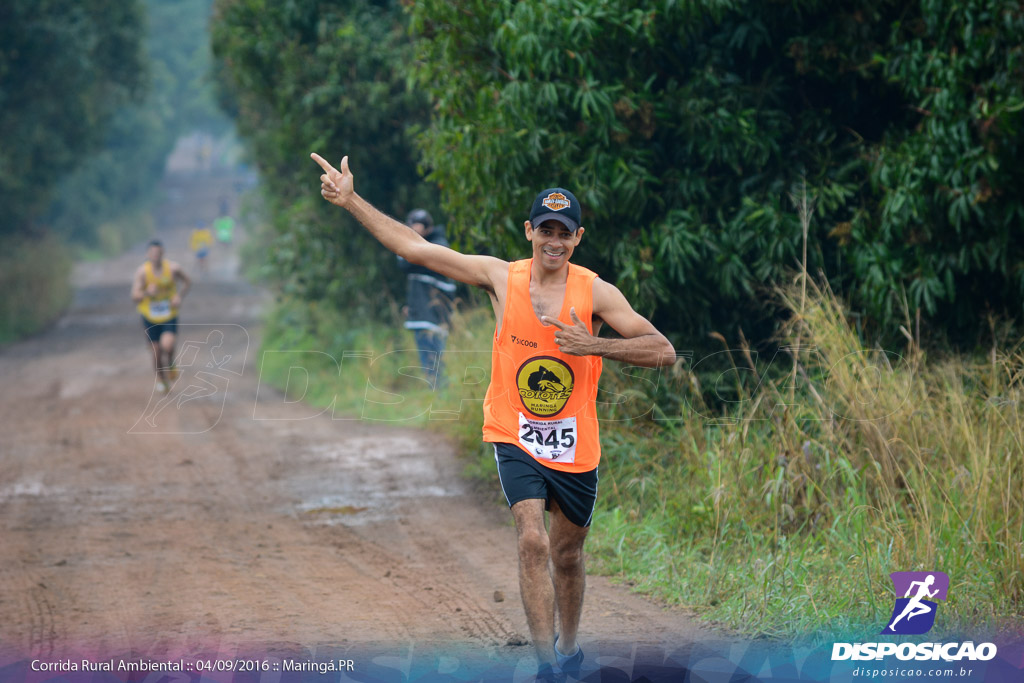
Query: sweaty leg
{"x":155,"y":348}
{"x":570,"y":577}
{"x":167,"y":340}
{"x":534,"y":579}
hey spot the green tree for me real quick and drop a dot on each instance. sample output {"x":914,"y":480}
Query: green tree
{"x":684,"y":127}
{"x":65,"y":69}
{"x":179,"y":45}
{"x":941,"y":228}
{"x":312,"y":75}
{"x":123,"y":176}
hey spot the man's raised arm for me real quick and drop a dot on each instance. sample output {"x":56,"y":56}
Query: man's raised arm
{"x":338,"y":188}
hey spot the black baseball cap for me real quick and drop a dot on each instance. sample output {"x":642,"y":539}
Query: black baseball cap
{"x":558,"y":204}
{"x":419,"y":216}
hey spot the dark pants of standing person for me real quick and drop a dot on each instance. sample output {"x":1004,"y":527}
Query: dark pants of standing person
{"x":430,"y":344}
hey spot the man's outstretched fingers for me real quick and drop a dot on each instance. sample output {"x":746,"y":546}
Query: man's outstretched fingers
{"x":575,"y":318}
{"x":323,"y":163}
{"x":554,"y":321}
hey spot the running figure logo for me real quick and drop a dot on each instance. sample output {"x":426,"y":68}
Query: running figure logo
{"x":914,"y":613}
{"x":206,"y":369}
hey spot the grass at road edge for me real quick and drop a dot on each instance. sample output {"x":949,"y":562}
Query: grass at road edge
{"x":36,"y":286}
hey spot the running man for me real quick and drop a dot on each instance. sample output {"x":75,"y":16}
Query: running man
{"x":200,"y":242}
{"x":539,"y":412}
{"x":155,"y":291}
{"x":915,"y":607}
{"x":224,"y":226}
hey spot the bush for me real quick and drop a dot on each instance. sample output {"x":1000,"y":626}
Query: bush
{"x":683,"y":127}
{"x":329,"y":77}
{"x":875,"y":463}
{"x":34,"y":279}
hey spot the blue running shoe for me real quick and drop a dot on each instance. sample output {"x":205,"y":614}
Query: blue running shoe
{"x":570,"y":664}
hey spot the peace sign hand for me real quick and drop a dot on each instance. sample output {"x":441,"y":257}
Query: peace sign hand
{"x":572,"y":339}
{"x":335,"y":186}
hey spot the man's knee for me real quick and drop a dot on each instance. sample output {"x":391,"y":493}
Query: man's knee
{"x":567,"y":556}
{"x":533,"y":546}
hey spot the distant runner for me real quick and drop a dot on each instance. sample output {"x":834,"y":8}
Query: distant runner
{"x":155,"y":291}
{"x":539,"y":412}
{"x":200,"y":242}
{"x":225,"y":229}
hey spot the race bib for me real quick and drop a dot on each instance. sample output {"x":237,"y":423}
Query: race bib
{"x":553,"y":440}
{"x":160,"y":309}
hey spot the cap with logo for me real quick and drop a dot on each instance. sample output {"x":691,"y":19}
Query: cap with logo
{"x":556,"y":204}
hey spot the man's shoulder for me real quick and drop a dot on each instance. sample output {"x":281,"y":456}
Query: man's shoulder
{"x":583,"y":271}
{"x":606,"y":294}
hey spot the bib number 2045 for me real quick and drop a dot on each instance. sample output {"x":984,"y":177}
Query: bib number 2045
{"x":549,"y":439}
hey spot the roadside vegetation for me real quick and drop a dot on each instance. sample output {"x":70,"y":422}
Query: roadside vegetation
{"x":35,"y":285}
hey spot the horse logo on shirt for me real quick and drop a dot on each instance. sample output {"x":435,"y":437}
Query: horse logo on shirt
{"x":545,"y":385}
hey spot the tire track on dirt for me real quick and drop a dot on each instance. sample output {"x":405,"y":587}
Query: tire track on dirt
{"x":431,"y":584}
{"x":43,"y":628}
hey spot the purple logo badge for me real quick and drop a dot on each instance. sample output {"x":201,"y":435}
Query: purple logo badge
{"x":914,"y":612}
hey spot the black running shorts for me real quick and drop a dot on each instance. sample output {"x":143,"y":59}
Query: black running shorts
{"x":522,"y":478}
{"x":154,"y":330}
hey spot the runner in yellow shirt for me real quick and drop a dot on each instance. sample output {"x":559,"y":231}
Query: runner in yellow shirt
{"x":157,"y":296}
{"x":200,"y":242}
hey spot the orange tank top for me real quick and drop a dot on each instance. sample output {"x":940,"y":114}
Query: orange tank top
{"x":540,"y":398}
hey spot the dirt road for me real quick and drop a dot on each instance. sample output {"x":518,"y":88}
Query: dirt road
{"x":131,"y":527}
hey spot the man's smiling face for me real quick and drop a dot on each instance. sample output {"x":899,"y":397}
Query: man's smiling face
{"x":553,"y":243}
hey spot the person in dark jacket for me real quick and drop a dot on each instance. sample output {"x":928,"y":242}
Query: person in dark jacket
{"x":428,"y":299}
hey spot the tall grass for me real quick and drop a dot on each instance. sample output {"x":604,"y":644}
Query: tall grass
{"x":785,"y":513}
{"x":35,"y":284}
{"x":788,"y":517}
